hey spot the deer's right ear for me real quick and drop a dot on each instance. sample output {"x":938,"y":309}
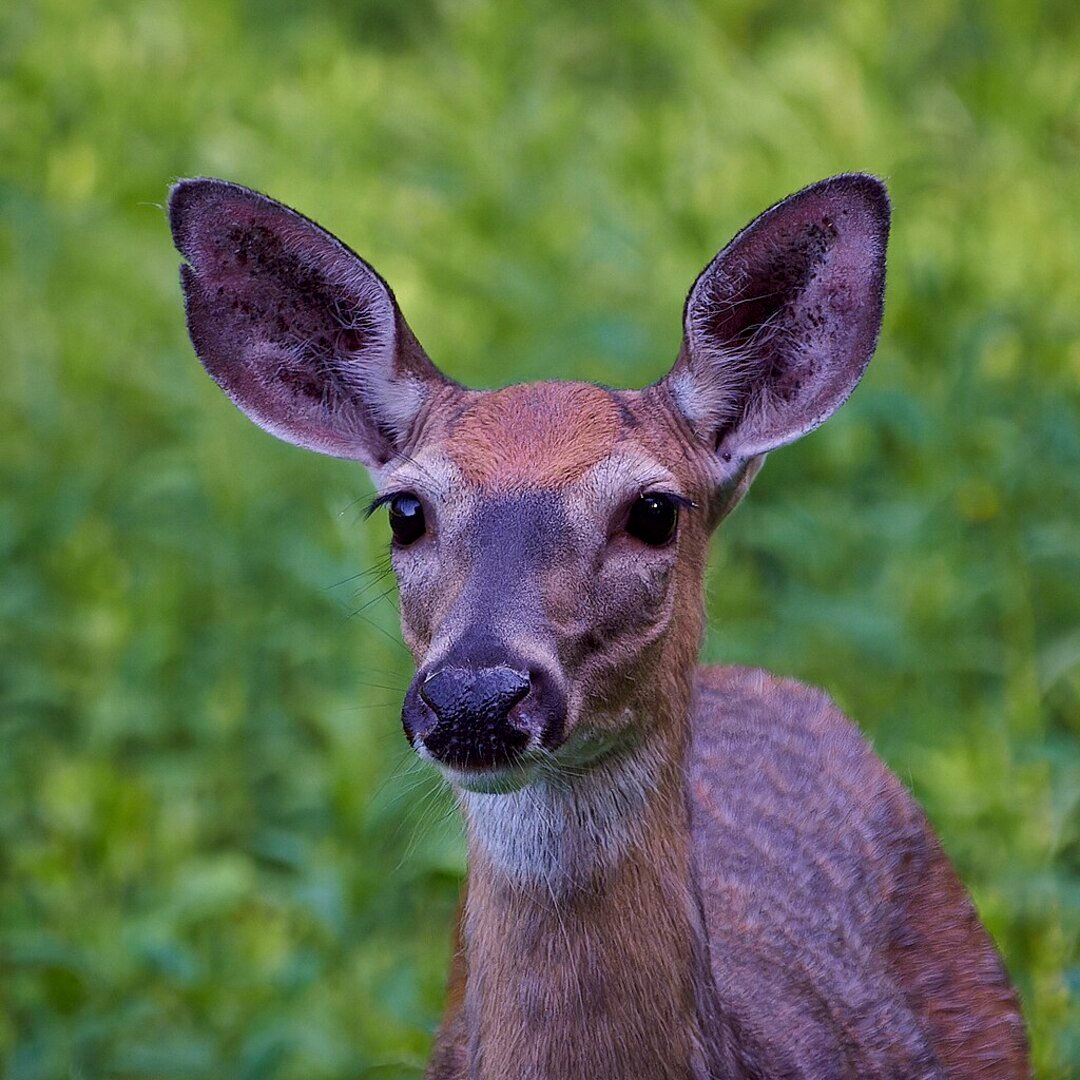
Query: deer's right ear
{"x":300,"y":332}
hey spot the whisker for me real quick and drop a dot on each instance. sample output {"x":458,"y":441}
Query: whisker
{"x":381,"y":566}
{"x":368,"y":603}
{"x":385,"y":633}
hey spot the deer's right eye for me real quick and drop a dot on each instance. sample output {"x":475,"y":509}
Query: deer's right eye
{"x":653,"y":518}
{"x":407,"y":519}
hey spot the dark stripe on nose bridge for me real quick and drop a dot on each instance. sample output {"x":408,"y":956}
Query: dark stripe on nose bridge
{"x":514,"y":538}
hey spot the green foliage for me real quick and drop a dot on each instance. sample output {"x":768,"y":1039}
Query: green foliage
{"x":216,"y":857}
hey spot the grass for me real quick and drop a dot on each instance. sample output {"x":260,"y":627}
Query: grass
{"x":216,"y":857}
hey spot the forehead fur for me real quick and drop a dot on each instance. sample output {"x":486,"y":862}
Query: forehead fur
{"x":535,"y":435}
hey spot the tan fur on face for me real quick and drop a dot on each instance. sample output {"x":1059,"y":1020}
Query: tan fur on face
{"x":540,"y":435}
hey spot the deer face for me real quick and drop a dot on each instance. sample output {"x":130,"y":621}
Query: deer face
{"x":549,"y":539}
{"x":539,"y":536}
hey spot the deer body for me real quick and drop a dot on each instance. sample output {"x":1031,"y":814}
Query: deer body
{"x":809,"y":925}
{"x":673,"y":872}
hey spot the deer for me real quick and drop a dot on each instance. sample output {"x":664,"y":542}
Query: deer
{"x":674,"y":871}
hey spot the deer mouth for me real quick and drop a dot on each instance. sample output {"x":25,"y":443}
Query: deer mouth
{"x":492,"y":780}
{"x":588,"y":748}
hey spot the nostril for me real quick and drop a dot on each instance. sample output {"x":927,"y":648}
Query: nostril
{"x":548,"y":719}
{"x":511,"y":686}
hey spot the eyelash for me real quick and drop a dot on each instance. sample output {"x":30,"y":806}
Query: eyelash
{"x":381,"y":500}
{"x":680,"y":500}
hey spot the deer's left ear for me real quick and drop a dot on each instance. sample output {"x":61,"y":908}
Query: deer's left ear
{"x":779,"y":327}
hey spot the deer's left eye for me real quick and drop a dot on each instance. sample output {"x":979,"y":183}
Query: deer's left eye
{"x":407,"y":519}
{"x":653,"y":518}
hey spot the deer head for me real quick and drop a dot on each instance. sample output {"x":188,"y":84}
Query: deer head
{"x":549,"y":540}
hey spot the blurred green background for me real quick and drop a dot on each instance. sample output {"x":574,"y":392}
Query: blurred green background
{"x":217,"y":858}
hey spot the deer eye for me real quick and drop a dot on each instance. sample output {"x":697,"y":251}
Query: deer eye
{"x":407,"y":519}
{"x":653,"y":518}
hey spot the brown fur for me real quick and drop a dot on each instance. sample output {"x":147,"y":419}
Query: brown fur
{"x":817,"y":867}
{"x":840,"y":942}
{"x":540,"y":435}
{"x":564,"y":968}
{"x":943,"y":957}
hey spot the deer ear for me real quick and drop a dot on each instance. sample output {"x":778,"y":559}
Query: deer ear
{"x":300,"y":332}
{"x":779,"y":327}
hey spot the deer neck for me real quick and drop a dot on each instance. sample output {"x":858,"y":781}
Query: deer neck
{"x":583,"y":934}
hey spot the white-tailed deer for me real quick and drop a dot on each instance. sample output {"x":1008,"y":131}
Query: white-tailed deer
{"x":674,"y":872}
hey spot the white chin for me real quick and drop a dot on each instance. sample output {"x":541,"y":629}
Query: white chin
{"x":496,"y":781}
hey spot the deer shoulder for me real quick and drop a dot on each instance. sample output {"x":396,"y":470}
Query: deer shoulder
{"x":841,"y":939}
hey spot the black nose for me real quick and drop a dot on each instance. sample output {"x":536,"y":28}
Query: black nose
{"x":472,"y":709}
{"x":486,"y":694}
